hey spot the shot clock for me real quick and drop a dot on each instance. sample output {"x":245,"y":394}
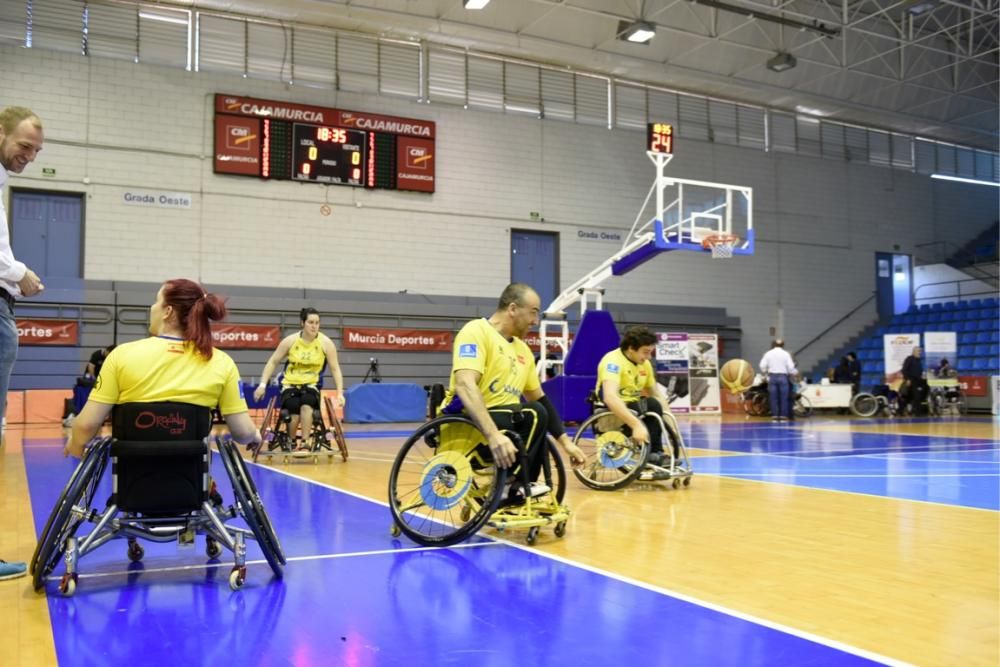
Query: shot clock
{"x":660,"y":138}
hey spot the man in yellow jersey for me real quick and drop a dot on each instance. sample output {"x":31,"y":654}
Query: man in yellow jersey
{"x":624,"y":378}
{"x":308,"y":353}
{"x":492,"y":368}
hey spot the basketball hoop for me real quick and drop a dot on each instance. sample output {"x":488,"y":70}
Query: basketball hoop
{"x":721,"y":245}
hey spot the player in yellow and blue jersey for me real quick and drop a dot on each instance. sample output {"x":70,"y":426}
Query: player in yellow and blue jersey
{"x":492,"y":369}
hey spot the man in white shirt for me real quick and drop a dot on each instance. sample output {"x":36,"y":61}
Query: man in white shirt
{"x":779,"y":368}
{"x":20,"y":140}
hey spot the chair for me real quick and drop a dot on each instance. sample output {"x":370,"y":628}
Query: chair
{"x":444,"y":486}
{"x":161,"y":492}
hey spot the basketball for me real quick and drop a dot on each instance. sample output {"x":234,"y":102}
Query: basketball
{"x":736,"y":375}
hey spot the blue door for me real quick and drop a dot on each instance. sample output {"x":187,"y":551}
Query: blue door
{"x":47,"y":235}
{"x":534,"y":259}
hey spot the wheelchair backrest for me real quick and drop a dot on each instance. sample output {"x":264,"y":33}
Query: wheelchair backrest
{"x":160,"y":457}
{"x":160,"y":421}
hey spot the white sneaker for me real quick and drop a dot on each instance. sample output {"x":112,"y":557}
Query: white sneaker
{"x":539,"y":489}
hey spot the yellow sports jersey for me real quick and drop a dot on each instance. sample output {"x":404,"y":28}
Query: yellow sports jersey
{"x":507,"y":367}
{"x":632,"y":379}
{"x":168,"y":369}
{"x":305,"y":362}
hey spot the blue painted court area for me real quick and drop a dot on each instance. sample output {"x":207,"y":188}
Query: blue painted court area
{"x":949,"y":470}
{"x":352,"y":595}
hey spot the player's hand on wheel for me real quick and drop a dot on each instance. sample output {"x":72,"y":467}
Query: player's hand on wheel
{"x":640,"y":434}
{"x":504,"y":451}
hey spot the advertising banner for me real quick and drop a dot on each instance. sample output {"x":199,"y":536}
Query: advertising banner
{"x":940,"y":345}
{"x":400,"y":340}
{"x":703,"y":350}
{"x":897,"y":348}
{"x":47,"y":332}
{"x":246,"y":336}
{"x":672,"y":362}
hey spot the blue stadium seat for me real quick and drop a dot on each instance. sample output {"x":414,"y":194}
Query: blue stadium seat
{"x":991,"y":302}
{"x":925,"y":307}
{"x":964,"y":364}
{"x":950,"y":305}
{"x":994,"y":336}
{"x":933,"y":317}
{"x":967,"y":337}
{"x":936,"y":306}
{"x":980,"y":363}
{"x":975,"y":303}
{"x":981,"y":350}
{"x":994,"y":349}
{"x":948,"y":316}
{"x":983,"y":337}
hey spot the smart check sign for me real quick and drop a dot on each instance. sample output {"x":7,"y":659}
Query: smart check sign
{"x":284,"y":141}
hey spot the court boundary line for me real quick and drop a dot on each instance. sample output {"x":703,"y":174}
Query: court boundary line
{"x":743,"y":616}
{"x":854,"y":493}
{"x":262,"y":561}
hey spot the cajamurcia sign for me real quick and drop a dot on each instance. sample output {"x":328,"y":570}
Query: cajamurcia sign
{"x":286,"y":141}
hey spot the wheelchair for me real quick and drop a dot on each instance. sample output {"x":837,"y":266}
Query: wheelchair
{"x":946,"y":399}
{"x":276,"y":440}
{"x":757,"y":402}
{"x":614,"y":460}
{"x":444,"y":486}
{"x":882,"y":399}
{"x":161,"y":492}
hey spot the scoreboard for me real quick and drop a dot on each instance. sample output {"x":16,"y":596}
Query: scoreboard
{"x":285,"y":141}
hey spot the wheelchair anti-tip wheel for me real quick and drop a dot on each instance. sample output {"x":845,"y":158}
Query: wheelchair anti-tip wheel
{"x":613,"y":459}
{"x":444,"y":485}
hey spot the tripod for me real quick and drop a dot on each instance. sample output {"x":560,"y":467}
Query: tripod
{"x":373,"y":374}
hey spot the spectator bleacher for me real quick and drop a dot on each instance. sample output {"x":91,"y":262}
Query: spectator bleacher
{"x":974,"y":321}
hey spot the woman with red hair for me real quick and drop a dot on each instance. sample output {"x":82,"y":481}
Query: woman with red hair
{"x":177,"y":363}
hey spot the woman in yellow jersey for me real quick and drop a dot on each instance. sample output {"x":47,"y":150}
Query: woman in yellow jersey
{"x":624,"y":377}
{"x":308,"y":353}
{"x":178,"y":363}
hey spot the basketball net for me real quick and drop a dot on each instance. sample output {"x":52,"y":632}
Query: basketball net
{"x":721,"y":245}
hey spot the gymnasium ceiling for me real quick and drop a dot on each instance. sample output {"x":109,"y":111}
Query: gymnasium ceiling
{"x":927,"y":67}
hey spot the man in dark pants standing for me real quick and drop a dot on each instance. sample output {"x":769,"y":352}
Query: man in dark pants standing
{"x":914,"y":388}
{"x":20,"y":140}
{"x":779,"y":368}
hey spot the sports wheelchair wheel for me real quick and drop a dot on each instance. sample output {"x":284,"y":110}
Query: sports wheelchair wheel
{"x":267,"y":427}
{"x":252,"y":507}
{"x":554,"y":471}
{"x":613,"y":459}
{"x":61,"y":524}
{"x":337,"y":428}
{"x":865,"y":405}
{"x":802,"y":406}
{"x":444,"y":485}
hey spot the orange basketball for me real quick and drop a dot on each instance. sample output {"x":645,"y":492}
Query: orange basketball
{"x":736,"y":375}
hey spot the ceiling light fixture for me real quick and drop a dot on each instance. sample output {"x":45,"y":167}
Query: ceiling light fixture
{"x":637,"y":32}
{"x":781,"y":62}
{"x":475,"y":4}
